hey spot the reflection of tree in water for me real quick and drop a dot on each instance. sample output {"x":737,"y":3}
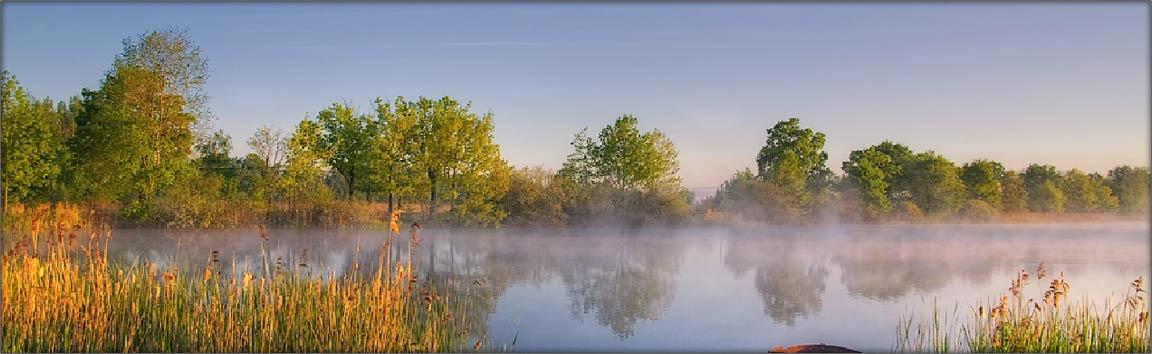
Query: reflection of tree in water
{"x":621,"y":280}
{"x":884,"y":267}
{"x":621,"y":292}
{"x":790,"y":291}
{"x":789,"y":286}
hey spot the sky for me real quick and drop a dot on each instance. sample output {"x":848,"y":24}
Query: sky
{"x":1056,"y":83}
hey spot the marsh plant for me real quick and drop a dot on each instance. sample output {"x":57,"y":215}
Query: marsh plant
{"x":1048,"y":322}
{"x":66,"y":296}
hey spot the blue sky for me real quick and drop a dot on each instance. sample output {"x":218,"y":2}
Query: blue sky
{"x":1058,"y":83}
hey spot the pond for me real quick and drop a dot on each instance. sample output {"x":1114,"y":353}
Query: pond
{"x":700,"y":288}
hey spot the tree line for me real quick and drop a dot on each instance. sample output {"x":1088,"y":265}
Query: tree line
{"x":139,"y":147}
{"x":890,"y":181}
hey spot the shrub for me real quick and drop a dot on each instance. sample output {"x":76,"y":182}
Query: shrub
{"x":976,"y":209}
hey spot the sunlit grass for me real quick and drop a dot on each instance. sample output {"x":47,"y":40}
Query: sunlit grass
{"x":65,"y":296}
{"x":1047,"y":323}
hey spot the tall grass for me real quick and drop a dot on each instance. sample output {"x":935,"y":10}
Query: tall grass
{"x":1015,"y":324}
{"x":68,"y":297}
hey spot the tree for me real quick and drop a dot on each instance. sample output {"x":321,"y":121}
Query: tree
{"x":933,"y":183}
{"x":900,"y":155}
{"x":869,"y":172}
{"x":172,"y":55}
{"x":134,"y":134}
{"x":876,"y":174}
{"x":580,"y":167}
{"x":214,"y":155}
{"x":1046,"y":198}
{"x":270,"y":145}
{"x":394,"y":148}
{"x":793,"y":161}
{"x":622,"y":157}
{"x":31,"y":144}
{"x":131,"y":138}
{"x":349,"y":139}
{"x":454,"y":149}
{"x":982,"y":180}
{"x":1131,"y":187}
{"x":1106,"y":200}
{"x":1013,"y":194}
{"x":304,"y":166}
{"x":1042,"y":183}
{"x":1086,"y":193}
{"x":623,"y":175}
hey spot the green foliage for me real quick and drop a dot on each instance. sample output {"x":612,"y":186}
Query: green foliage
{"x":132,"y":139}
{"x":177,"y":60}
{"x":1046,"y":198}
{"x":622,"y":157}
{"x":623,"y":176}
{"x":870,"y":172}
{"x":31,"y":142}
{"x":900,"y":155}
{"x":134,"y":134}
{"x":393,"y":162}
{"x":933,"y":183}
{"x":793,"y":161}
{"x":875,"y":176}
{"x":455,"y":151}
{"x":753,"y":199}
{"x":1013,"y":194}
{"x":304,"y":167}
{"x":982,"y":180}
{"x":534,"y":199}
{"x":1086,"y":193}
{"x":976,"y":209}
{"x":1042,"y":183}
{"x":349,"y":140}
{"x":1131,"y":187}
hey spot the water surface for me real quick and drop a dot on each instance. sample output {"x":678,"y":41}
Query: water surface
{"x":701,"y":289}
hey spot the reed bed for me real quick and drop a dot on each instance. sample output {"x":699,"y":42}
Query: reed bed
{"x":1047,"y":323}
{"x":68,"y":297}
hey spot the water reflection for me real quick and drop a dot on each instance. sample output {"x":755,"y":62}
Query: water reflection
{"x":790,"y":285}
{"x":640,"y":288}
{"x":634,"y":280}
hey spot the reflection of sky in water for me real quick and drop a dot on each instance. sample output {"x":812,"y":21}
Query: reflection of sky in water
{"x":704,"y":289}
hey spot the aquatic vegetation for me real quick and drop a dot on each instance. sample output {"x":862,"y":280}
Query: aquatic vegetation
{"x":1016,"y":323}
{"x":68,"y":297}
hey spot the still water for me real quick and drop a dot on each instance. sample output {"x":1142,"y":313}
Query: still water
{"x":702,"y":289}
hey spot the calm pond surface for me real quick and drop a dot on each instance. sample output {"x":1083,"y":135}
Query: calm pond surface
{"x":703,"y":289}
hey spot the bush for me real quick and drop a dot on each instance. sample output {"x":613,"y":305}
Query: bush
{"x":907,"y":211}
{"x":976,"y":209}
{"x":533,"y":199}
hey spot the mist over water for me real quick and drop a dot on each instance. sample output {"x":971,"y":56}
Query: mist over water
{"x":698,"y":288}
